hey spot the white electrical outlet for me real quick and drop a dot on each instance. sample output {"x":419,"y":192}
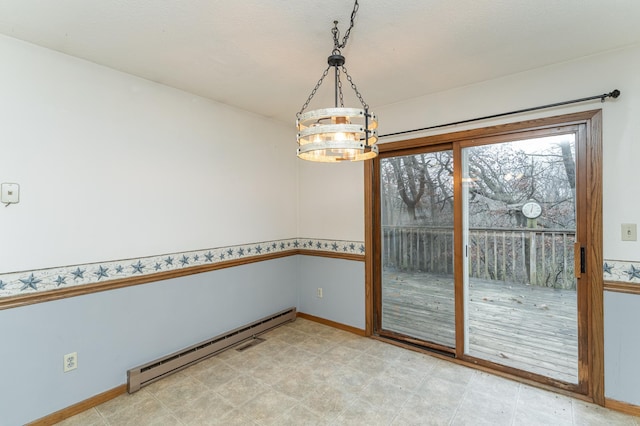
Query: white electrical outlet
{"x":70,"y":361}
{"x":9,"y":193}
{"x":629,"y":232}
{"x":319,"y":292}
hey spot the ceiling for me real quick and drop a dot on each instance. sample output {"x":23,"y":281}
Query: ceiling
{"x":265,"y":56}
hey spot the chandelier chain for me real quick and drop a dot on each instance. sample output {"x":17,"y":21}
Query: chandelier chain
{"x":336,"y":51}
{"x":355,"y":89}
{"x":336,"y":32}
{"x":315,"y":89}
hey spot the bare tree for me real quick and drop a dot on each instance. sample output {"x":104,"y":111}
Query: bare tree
{"x":500,"y":178}
{"x":410,"y":180}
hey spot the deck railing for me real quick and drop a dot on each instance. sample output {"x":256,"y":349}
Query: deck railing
{"x":541,"y":257}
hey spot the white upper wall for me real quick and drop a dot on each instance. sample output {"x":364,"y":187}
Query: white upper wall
{"x":340,"y":189}
{"x":331,"y":200}
{"x":112,"y":166}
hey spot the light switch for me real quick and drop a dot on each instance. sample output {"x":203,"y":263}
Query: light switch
{"x":10,"y":193}
{"x":629,"y":232}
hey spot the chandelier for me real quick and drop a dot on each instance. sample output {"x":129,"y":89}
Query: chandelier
{"x":338,"y":133}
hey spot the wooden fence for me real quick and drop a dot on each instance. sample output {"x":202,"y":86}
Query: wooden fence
{"x":541,"y":257}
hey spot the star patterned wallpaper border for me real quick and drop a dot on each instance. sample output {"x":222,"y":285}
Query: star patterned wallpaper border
{"x":19,"y":283}
{"x":621,"y":271}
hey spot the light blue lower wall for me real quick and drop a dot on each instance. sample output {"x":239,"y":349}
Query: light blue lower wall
{"x":622,"y":347}
{"x":116,"y":330}
{"x":343,"y":288}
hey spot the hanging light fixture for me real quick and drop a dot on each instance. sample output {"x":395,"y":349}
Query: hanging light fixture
{"x":338,"y":133}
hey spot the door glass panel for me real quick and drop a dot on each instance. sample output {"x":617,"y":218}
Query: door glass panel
{"x":519,"y":220}
{"x":417,"y":247}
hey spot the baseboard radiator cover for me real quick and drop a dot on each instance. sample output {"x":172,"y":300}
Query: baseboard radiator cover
{"x":155,"y":370}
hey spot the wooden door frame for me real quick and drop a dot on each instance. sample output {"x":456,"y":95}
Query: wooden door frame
{"x":593,"y":243}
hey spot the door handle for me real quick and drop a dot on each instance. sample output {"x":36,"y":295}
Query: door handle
{"x":579,"y":257}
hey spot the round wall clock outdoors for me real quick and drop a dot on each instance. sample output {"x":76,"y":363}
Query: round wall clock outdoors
{"x":531,"y":210}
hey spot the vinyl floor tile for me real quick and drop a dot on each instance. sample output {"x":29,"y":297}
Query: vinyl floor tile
{"x":307,"y":373}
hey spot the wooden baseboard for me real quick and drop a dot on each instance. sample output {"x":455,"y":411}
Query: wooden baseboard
{"x":623,"y":407}
{"x":333,"y":324}
{"x":78,"y":408}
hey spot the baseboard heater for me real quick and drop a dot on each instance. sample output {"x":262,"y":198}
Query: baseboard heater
{"x":155,"y":370}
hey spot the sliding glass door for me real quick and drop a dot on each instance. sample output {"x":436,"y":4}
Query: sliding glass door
{"x":481,"y":249}
{"x":417,"y":247}
{"x":519,"y":212}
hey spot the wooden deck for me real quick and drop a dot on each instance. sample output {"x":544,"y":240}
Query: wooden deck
{"x":525,"y":327}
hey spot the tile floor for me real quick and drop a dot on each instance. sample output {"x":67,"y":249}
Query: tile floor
{"x":310,"y":374}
